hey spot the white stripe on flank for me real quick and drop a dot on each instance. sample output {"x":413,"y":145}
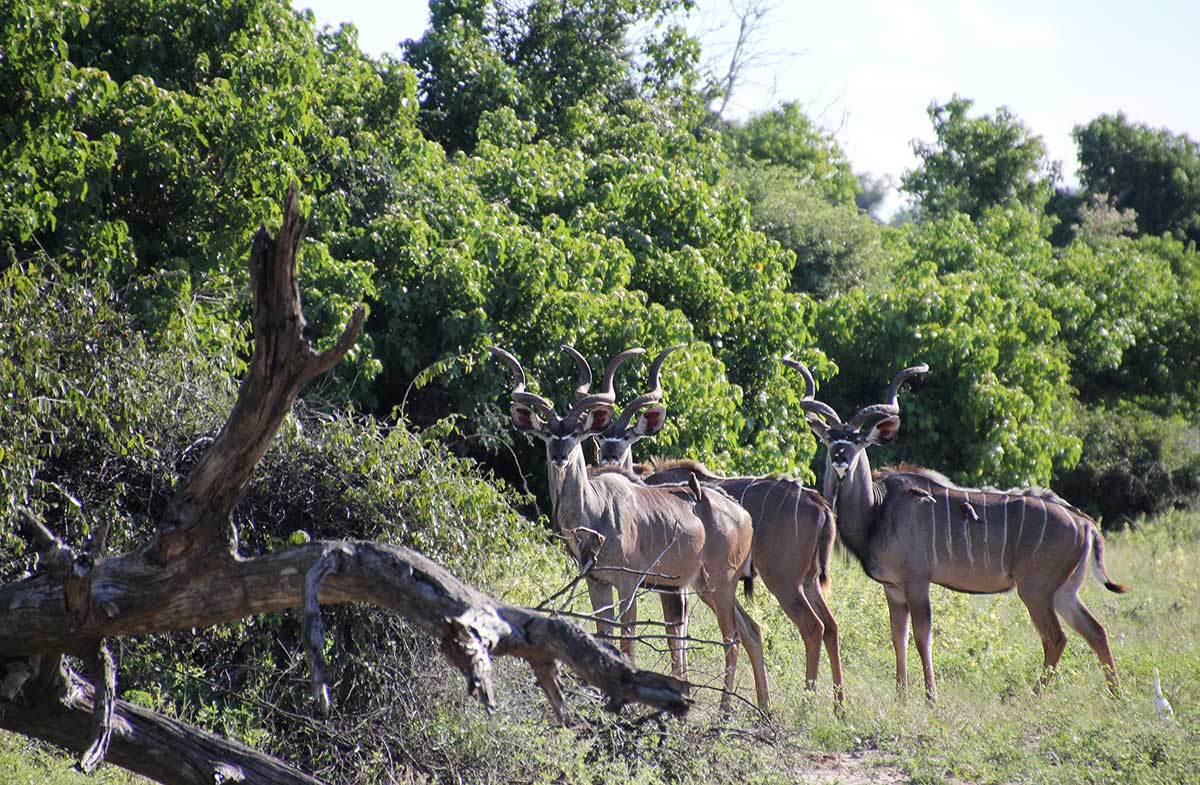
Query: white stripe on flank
{"x":967,"y":530}
{"x":949,"y":534}
{"x":1045,"y":520}
{"x":796,"y":514}
{"x":932,"y":537}
{"x":1021,"y":533}
{"x":763,"y":512}
{"x":743,"y":496}
{"x":1004,"y":539}
{"x":782,"y":501}
{"x":986,"y":560}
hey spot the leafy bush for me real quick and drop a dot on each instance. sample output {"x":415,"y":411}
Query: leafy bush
{"x":836,"y":247}
{"x":1137,"y":463}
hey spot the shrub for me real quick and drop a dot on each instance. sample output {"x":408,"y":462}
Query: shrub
{"x":1135,"y":463}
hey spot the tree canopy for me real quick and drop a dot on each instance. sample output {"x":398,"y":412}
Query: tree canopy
{"x":975,"y":162}
{"x":1150,"y":170}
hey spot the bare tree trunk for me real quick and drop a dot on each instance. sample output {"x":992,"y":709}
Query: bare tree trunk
{"x":191,"y":575}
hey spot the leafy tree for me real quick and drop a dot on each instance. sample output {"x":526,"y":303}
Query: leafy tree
{"x":978,"y":162}
{"x":1152,"y":171}
{"x":100,"y":163}
{"x":787,"y":137}
{"x":1136,"y":463}
{"x":836,"y":247}
{"x":546,"y":245}
{"x":995,"y":405}
{"x":542,"y":60}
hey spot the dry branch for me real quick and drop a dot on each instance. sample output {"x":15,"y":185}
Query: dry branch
{"x":191,"y":575}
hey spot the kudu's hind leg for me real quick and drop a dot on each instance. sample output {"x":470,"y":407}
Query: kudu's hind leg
{"x":751,"y":635}
{"x":1054,"y":640}
{"x":722,"y":606}
{"x":1076,"y":614}
{"x":674,"y":605}
{"x":812,"y":590}
{"x":898,"y":614}
{"x":808,"y":622}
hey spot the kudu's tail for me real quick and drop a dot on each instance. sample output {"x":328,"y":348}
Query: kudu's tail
{"x":825,"y":549}
{"x":1098,"y":567}
{"x":749,"y":573}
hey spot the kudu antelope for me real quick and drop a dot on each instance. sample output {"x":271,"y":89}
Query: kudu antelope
{"x":624,"y":533}
{"x":910,"y":527}
{"x":794,"y":528}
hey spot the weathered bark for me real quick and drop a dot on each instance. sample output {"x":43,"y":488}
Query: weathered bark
{"x":142,"y":741}
{"x":191,"y":575}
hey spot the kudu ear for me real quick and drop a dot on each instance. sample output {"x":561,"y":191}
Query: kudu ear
{"x":651,"y":420}
{"x":597,"y":419}
{"x":819,"y":427}
{"x":526,"y":419}
{"x":884,"y":431}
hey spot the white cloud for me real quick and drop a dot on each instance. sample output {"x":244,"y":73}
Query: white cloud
{"x":987,"y":28}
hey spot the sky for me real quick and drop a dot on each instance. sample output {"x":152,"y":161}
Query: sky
{"x":867,"y":70}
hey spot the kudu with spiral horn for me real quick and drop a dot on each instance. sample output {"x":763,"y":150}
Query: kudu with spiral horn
{"x":617,"y":441}
{"x":910,"y":527}
{"x":794,"y":528}
{"x":625,"y":533}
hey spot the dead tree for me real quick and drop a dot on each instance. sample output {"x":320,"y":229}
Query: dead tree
{"x":192,"y":574}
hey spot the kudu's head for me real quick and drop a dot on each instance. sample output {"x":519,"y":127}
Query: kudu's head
{"x":618,"y":438}
{"x":535,"y":415}
{"x":875,"y":424}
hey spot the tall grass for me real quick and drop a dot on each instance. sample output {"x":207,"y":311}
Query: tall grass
{"x":988,"y":725}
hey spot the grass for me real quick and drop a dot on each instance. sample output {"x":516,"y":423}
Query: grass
{"x":988,"y":726}
{"x":26,"y":762}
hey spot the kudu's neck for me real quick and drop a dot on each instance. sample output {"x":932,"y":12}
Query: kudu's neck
{"x":854,"y":502}
{"x":576,"y":501}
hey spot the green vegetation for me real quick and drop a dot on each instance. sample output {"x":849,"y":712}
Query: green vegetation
{"x":522,"y":176}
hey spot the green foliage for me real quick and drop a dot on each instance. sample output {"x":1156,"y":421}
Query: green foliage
{"x":787,"y":137}
{"x":1152,"y":171}
{"x":1137,"y":463}
{"x":998,"y":381}
{"x":836,"y":246}
{"x":198,"y":122}
{"x":979,"y":162}
{"x":992,"y":406}
{"x":591,"y":210}
{"x":1118,"y":301}
{"x":78,"y":379}
{"x":543,"y":60}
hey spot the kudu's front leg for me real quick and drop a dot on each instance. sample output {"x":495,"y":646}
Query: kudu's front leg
{"x":601,"y":595}
{"x":674,"y":605}
{"x":922,"y":623}
{"x":628,"y":599}
{"x":898,"y":612}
